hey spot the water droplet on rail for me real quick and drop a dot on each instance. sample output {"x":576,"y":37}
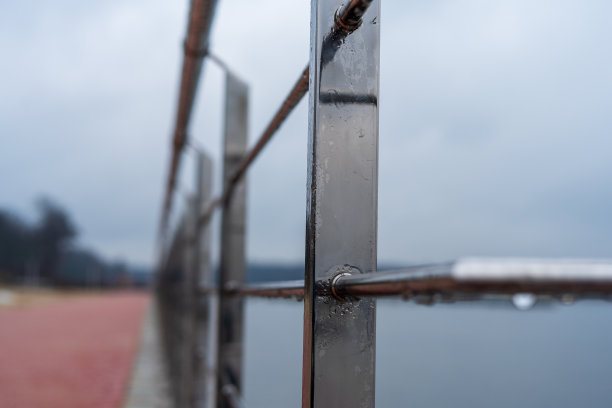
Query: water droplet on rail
{"x":524,"y":301}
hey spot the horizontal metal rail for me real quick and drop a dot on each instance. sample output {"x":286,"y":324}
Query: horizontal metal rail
{"x":282,"y":289}
{"x":201,"y":16}
{"x":475,"y":276}
{"x":465,"y":279}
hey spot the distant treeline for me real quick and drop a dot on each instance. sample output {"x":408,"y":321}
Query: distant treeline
{"x":44,"y":253}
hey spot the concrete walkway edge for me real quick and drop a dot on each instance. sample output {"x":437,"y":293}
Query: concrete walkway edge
{"x":149,"y":387}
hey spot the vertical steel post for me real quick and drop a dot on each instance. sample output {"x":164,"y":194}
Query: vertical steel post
{"x":185,"y":300}
{"x":341,"y":225}
{"x":189,"y":297}
{"x":232,"y":263}
{"x":178,"y":267}
{"x":192,"y":359}
{"x":203,"y":273}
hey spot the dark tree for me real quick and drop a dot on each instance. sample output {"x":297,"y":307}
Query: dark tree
{"x":53,"y":233}
{"x":44,"y":252}
{"x":80,"y":267}
{"x":16,"y":247}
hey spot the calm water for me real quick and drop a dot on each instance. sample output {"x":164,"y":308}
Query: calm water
{"x":466,"y":355}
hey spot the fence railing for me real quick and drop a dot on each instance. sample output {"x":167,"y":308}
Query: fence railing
{"x":204,"y":354}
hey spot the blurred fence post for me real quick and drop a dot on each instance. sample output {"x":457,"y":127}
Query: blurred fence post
{"x":203,"y":278}
{"x":232,"y":262}
{"x":170,"y":290}
{"x":192,"y":360}
{"x":341,"y":225}
{"x":188,"y":300}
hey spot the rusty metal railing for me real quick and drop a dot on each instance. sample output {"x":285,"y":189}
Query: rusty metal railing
{"x":204,"y":354}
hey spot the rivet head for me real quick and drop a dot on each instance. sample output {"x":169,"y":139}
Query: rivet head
{"x":336,"y":273}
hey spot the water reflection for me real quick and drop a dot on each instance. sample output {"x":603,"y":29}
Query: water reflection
{"x":469,"y":354}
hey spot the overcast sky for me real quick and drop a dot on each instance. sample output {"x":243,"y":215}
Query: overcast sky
{"x":495,"y":122}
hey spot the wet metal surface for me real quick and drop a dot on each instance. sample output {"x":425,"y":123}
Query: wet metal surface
{"x":470,"y":278}
{"x":339,"y":336}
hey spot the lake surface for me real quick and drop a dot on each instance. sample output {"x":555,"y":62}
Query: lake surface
{"x":461,"y":355}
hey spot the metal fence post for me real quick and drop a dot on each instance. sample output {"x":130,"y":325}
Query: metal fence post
{"x":193,"y":358}
{"x":188,"y":299}
{"x":341,"y":225}
{"x":203,"y":277}
{"x":172,"y":287}
{"x":232,"y":262}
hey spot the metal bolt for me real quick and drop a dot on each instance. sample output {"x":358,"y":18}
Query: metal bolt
{"x":337,"y":272}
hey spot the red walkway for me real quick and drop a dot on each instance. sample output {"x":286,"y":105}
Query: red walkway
{"x":73,"y":352}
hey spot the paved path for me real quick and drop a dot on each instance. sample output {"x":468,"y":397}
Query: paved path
{"x":149,"y":387}
{"x":74,"y":352}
